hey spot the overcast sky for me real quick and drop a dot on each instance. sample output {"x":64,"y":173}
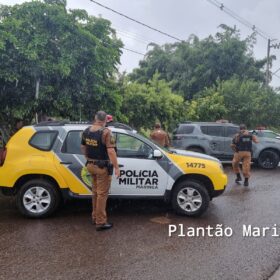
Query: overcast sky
{"x":182,"y":18}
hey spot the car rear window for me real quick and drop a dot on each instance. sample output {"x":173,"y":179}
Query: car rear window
{"x":185,"y":129}
{"x":72,"y":143}
{"x":43,"y":140}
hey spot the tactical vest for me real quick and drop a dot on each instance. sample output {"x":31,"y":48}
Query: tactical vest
{"x":95,"y":149}
{"x":244,"y":143}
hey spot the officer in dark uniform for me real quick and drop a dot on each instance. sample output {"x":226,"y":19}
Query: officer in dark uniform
{"x":242,"y":146}
{"x":98,"y":146}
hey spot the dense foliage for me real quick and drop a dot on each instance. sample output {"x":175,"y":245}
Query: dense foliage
{"x":55,"y":62}
{"x":63,"y":63}
{"x":193,"y":65}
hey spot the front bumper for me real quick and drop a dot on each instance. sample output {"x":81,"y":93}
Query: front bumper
{"x":216,"y":193}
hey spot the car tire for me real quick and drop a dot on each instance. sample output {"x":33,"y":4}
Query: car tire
{"x":190,"y":198}
{"x":268,"y":159}
{"x":196,"y":149}
{"x":38,"y":199}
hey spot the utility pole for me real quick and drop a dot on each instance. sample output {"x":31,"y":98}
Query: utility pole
{"x":269,"y":46}
{"x":267,"y":63}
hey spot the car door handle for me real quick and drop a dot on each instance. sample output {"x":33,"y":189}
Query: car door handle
{"x":121,"y":165}
{"x":66,"y":162}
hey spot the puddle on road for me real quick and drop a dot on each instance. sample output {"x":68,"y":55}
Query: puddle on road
{"x":161,"y":220}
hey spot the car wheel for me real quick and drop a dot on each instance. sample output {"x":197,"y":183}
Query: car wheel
{"x":268,"y":159}
{"x":38,"y":198}
{"x":190,"y":198}
{"x":195,"y":149}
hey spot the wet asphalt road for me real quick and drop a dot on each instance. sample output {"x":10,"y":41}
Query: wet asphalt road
{"x":67,"y":246}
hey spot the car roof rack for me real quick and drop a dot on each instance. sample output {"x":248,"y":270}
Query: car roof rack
{"x":59,"y":123}
{"x":119,"y":125}
{"x":65,"y":122}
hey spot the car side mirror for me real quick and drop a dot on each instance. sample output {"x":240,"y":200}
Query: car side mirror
{"x":157,"y":154}
{"x":278,"y":137}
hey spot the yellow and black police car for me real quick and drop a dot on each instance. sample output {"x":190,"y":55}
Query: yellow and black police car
{"x":42,"y":165}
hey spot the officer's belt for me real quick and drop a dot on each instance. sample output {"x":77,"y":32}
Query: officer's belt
{"x":99,"y":163}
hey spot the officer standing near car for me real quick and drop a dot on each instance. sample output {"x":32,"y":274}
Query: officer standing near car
{"x":98,"y":146}
{"x":242,"y":146}
{"x":160,"y":136}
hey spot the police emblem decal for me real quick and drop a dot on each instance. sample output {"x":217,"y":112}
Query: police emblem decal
{"x":86,"y":177}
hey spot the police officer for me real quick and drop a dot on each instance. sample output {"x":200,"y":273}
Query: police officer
{"x":242,"y":145}
{"x":159,"y":136}
{"x":98,"y":146}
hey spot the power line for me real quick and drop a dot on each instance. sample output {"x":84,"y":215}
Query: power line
{"x":133,"y":51}
{"x":137,"y":21}
{"x":106,"y":45}
{"x":130,"y":36}
{"x":243,"y":21}
{"x":137,"y":36}
{"x":274,"y":73}
{"x":277,"y":76}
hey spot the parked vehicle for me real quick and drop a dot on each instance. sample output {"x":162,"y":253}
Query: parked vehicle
{"x":215,"y":138}
{"x":42,"y":164}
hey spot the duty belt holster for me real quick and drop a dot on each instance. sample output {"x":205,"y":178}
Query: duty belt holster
{"x":102,"y":164}
{"x":99,"y":163}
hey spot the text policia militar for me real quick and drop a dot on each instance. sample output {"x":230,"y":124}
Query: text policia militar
{"x":222,"y":231}
{"x":147,"y":179}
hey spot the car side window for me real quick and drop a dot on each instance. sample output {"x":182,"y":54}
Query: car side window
{"x":131,"y":147}
{"x":185,"y":129}
{"x":231,"y":131}
{"x":72,"y":143}
{"x":213,"y":130}
{"x":43,"y":140}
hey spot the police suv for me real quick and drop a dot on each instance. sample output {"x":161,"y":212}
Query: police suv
{"x":43,"y":164}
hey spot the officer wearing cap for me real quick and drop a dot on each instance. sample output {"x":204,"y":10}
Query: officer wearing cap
{"x":159,"y":136}
{"x":242,"y":146}
{"x":98,"y":146}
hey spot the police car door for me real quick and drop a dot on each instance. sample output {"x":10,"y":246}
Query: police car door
{"x":71,"y":163}
{"x":141,"y":174}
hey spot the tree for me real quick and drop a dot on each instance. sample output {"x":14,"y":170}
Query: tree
{"x":192,"y":65}
{"x":238,"y":101}
{"x":210,"y":107}
{"x":55,"y":61}
{"x":248,"y":102}
{"x":145,"y":104}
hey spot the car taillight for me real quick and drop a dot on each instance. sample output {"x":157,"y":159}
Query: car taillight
{"x":3,"y":153}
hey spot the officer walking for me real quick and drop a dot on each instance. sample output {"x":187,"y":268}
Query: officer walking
{"x":98,"y":146}
{"x":160,"y":136}
{"x":242,"y":145}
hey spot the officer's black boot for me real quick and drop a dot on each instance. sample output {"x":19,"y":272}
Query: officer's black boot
{"x":246,"y":182}
{"x":238,"y":178}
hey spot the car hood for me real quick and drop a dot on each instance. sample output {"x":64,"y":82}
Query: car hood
{"x":193,"y":154}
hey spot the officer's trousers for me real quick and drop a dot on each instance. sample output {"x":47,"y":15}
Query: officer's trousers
{"x":100,"y":189}
{"x":245,"y":157}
